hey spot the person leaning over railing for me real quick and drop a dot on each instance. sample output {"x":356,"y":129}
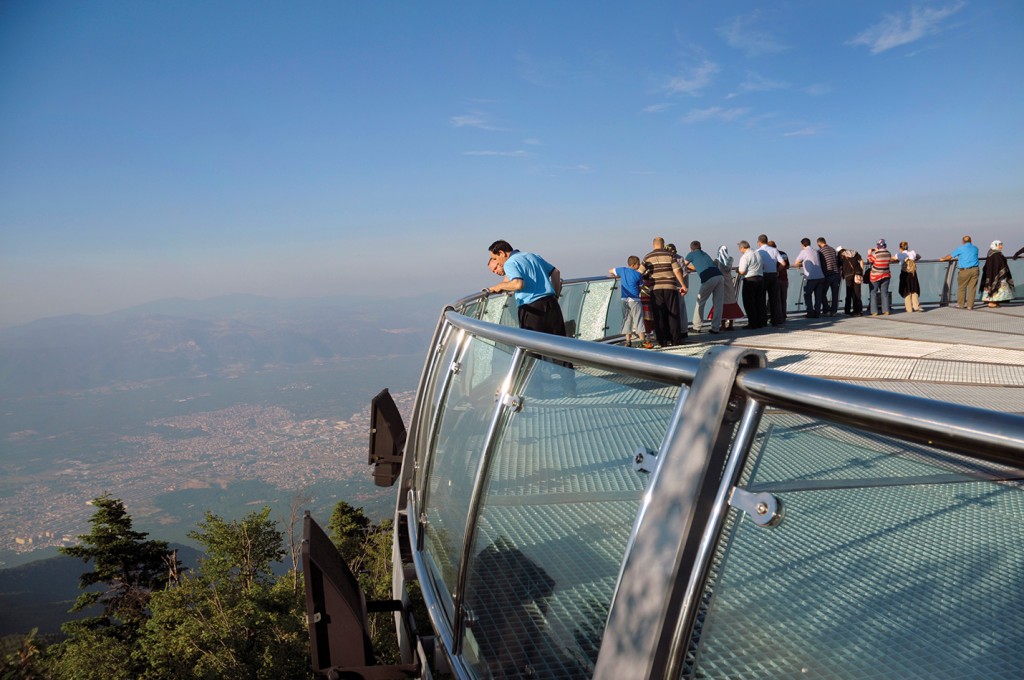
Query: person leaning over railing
{"x":966,"y":257}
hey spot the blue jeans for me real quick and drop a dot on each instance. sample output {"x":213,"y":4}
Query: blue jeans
{"x":881,"y":285}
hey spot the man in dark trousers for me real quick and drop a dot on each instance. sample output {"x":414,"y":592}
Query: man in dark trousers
{"x":830,"y":267}
{"x":536,"y":284}
{"x":663,"y":268}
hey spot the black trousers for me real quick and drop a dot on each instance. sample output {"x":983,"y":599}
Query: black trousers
{"x":775,"y":303}
{"x":665,"y":308}
{"x":543,"y":315}
{"x":753,"y":301}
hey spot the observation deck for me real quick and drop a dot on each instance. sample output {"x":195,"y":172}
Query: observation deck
{"x":842,"y":497}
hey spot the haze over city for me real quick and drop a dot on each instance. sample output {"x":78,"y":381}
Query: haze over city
{"x":154,"y":150}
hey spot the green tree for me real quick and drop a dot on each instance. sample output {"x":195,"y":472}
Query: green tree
{"x":233,"y":618}
{"x":21,"y":658}
{"x":348,"y":528}
{"x":130,"y":566}
{"x":366,"y":547}
{"x":98,"y":654}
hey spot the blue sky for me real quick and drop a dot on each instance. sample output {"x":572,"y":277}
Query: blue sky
{"x":193,"y":149}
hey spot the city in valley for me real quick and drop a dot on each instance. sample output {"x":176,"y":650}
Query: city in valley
{"x":210,"y":450}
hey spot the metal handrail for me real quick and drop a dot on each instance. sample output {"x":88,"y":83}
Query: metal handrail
{"x":986,"y":435}
{"x":979,"y":434}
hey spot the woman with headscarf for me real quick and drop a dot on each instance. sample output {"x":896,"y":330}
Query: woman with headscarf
{"x":730,"y":308}
{"x":851,"y":266}
{"x":996,"y":282}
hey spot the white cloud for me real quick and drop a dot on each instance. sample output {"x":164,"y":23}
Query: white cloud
{"x":810,"y":131}
{"x":900,"y":29}
{"x":714,"y":113}
{"x":817,"y":89}
{"x":743,"y":34}
{"x":657,"y":108}
{"x":473,"y":119}
{"x":693,"y":79}
{"x":581,"y":168}
{"x":532,"y":141}
{"x":758,"y":83}
{"x":518,"y":153}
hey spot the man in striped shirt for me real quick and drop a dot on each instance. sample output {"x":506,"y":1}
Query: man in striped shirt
{"x":830,"y":267}
{"x":663,"y":268}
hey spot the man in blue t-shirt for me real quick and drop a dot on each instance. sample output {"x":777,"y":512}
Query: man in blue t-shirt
{"x":966,"y":257}
{"x":712,"y":286}
{"x":632,"y":307}
{"x":536,"y":284}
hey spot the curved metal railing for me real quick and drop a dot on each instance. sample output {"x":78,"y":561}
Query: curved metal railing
{"x":470,"y":411}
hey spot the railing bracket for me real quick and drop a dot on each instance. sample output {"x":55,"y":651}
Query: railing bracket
{"x":764,"y":508}
{"x":644,"y":460}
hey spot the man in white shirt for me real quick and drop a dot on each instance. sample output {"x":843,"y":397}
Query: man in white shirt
{"x":770,"y":262}
{"x":814,"y":278}
{"x":750,"y":268}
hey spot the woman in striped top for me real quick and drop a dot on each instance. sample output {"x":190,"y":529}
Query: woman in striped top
{"x":880,"y":258}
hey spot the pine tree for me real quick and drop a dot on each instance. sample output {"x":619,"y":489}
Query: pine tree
{"x":366,"y":547}
{"x":233,"y":618}
{"x":130,"y":566}
{"x":348,"y":529}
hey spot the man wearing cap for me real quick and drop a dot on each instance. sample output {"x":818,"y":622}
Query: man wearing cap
{"x":966,"y":257}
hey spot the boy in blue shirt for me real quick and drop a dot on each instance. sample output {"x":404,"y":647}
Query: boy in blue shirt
{"x":632,"y":307}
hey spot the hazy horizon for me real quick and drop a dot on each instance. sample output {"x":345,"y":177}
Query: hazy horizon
{"x":195,"y":150}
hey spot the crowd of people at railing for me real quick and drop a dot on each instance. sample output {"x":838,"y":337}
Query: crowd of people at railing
{"x":654,"y":288}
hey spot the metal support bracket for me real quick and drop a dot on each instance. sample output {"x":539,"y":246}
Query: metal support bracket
{"x":512,"y":402}
{"x":644,"y":460}
{"x":764,"y":508}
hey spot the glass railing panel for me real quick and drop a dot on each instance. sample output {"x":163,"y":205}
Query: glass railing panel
{"x":430,"y":397}
{"x":931,"y":276}
{"x":594,"y":314}
{"x":466,"y":414}
{"x":559,"y":503}
{"x":613,"y":317}
{"x":473,"y":309}
{"x":1017,"y":274}
{"x":496,"y":310}
{"x":571,"y":301}
{"x":892,"y":560}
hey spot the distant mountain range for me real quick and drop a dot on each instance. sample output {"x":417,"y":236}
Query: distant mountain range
{"x":218,"y":336}
{"x":39,"y":594}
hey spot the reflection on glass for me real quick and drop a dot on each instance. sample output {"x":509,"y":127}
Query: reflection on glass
{"x":466,"y":417}
{"x":560,"y":499}
{"x":571,"y":301}
{"x":613,"y":316}
{"x":892,"y":561}
{"x":432,"y":392}
{"x":593,"y":315}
